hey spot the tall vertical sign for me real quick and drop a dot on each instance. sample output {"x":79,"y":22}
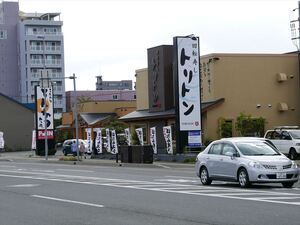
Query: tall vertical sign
{"x":44,"y":105}
{"x":187,"y":83}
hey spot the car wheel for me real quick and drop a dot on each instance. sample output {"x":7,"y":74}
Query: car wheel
{"x":204,"y":177}
{"x":243,"y":178}
{"x":287,"y":184}
{"x":293,"y":154}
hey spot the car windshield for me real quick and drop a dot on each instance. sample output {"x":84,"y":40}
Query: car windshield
{"x":295,"y":134}
{"x":256,"y":148}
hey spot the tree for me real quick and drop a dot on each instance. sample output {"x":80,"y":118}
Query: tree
{"x":248,"y":126}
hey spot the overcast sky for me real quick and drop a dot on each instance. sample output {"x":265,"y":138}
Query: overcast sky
{"x":111,"y":38}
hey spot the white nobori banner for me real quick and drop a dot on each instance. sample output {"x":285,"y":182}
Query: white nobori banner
{"x":167,"y":130}
{"x":139,"y":132}
{"x":98,"y":140}
{"x":1,"y":140}
{"x":33,"y":140}
{"x":153,"y":139}
{"x":108,"y":146}
{"x":114,"y":143}
{"x":89,"y":148}
{"x":127,"y":136}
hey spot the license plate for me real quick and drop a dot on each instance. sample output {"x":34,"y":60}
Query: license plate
{"x":281,"y":175}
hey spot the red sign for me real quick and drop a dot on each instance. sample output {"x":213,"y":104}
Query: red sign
{"x":41,"y":134}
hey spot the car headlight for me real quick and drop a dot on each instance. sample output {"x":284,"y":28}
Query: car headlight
{"x":255,"y":165}
{"x":294,"y":165}
{"x":297,"y":144}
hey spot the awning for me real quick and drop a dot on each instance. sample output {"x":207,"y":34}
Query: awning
{"x":93,"y":118}
{"x":145,"y":114}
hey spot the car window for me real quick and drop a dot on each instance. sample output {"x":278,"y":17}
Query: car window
{"x":285,"y":136}
{"x":276,"y":135}
{"x":256,"y":148}
{"x":215,"y":149}
{"x":295,"y":134}
{"x":228,"y":148}
{"x":269,"y":135}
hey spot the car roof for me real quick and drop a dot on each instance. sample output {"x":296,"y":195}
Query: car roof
{"x":243,"y":139}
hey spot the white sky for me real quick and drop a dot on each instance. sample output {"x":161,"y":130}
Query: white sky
{"x":111,"y":38}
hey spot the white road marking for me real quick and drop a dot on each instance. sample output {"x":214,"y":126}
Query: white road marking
{"x":24,"y":185}
{"x":68,"y":201}
{"x":178,"y":180}
{"x":163,"y":166}
{"x":8,"y":166}
{"x":70,"y":170}
{"x":160,"y":187}
{"x":45,"y":171}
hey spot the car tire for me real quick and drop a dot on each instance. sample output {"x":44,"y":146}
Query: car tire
{"x":204,"y":177}
{"x":293,"y":154}
{"x":288,"y":184}
{"x":243,"y":178}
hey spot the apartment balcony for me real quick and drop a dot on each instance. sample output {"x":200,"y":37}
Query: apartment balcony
{"x":48,"y":62}
{"x":48,"y":49}
{"x":42,"y":33}
{"x":58,"y":90}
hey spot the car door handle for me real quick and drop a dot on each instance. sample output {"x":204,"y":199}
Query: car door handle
{"x":207,"y":157}
{"x":221,"y":159}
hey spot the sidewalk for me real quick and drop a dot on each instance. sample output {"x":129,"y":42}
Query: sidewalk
{"x":31,"y":157}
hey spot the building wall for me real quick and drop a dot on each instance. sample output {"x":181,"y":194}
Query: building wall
{"x":142,"y":95}
{"x":9,"y":80}
{"x":101,"y":95}
{"x":17,"y":123}
{"x":41,"y":56}
{"x":113,"y":85}
{"x":106,"y":106}
{"x":247,"y":81}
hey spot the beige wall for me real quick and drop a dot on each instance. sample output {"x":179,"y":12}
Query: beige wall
{"x":245,"y":80}
{"x":105,"y":107}
{"x":142,"y":96}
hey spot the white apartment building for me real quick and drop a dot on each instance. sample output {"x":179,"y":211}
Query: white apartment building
{"x":41,"y":56}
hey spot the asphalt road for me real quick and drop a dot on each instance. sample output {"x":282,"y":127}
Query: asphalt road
{"x":35,"y":193}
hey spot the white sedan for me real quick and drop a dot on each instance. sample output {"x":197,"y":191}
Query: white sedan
{"x":245,"y":160}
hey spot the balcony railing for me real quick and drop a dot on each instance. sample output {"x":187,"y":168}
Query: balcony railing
{"x":48,"y":48}
{"x":38,"y":33}
{"x":48,"y":62}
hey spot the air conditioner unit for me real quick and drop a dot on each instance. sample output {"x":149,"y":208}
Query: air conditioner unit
{"x":281,"y":77}
{"x":282,"y":106}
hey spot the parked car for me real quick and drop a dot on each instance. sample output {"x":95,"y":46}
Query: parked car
{"x":66,"y":147}
{"x":286,"y":139}
{"x":247,"y":161}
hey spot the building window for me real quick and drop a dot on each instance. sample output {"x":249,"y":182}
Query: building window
{"x":115,"y":97}
{"x":3,"y":34}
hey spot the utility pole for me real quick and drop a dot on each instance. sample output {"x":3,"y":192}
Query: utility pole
{"x":295,"y":34}
{"x":75,"y":114}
